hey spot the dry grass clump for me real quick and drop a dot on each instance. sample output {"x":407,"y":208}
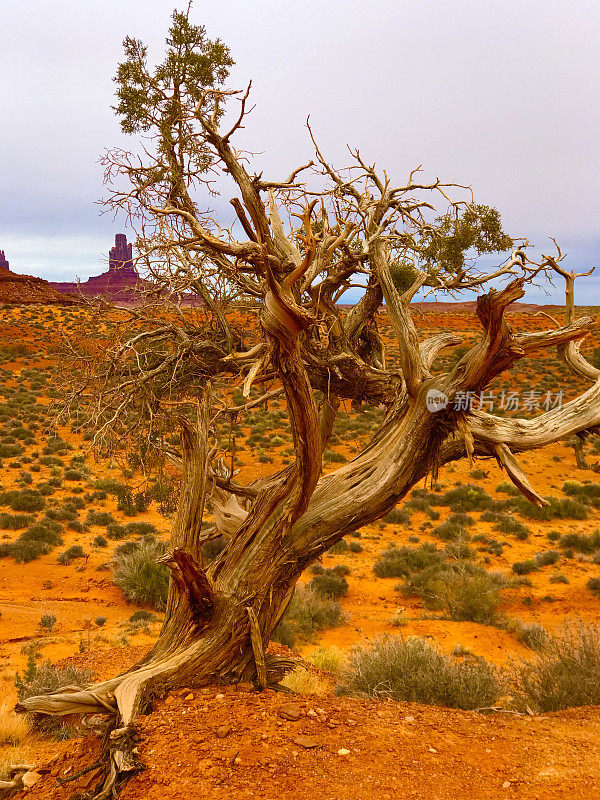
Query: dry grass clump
{"x":329,"y":659}
{"x":305,"y":681}
{"x":13,"y":728}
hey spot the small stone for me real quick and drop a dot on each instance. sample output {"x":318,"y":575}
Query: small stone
{"x":311,"y":712}
{"x":245,"y":687}
{"x":290,"y":712}
{"x":219,"y":696}
{"x":305,"y":741}
{"x":30,"y":778}
{"x":506,"y":785}
{"x":343,"y":752}
{"x":190,"y":696}
{"x":223,"y":731}
{"x":409,"y":718}
{"x":432,"y":750}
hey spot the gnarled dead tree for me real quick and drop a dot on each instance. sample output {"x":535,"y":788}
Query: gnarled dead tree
{"x":297,"y":246}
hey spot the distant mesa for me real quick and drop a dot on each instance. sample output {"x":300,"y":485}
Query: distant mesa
{"x":118,"y":283}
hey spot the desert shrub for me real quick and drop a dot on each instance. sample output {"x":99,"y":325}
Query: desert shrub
{"x":401,"y":562}
{"x":307,"y":613}
{"x":338,"y":548}
{"x":450,"y":531}
{"x":142,"y":500}
{"x":339,"y":569}
{"x":398,"y":516}
{"x":478,"y":474}
{"x":61,"y":513}
{"x":13,"y":730}
{"x":26,"y":500}
{"x":565,"y":673}
{"x":100,"y":621}
{"x":75,"y":551}
{"x":116,"y":531}
{"x":306,"y":681}
{"x":413,"y":670}
{"x":465,"y":498}
{"x":329,"y":456}
{"x":56,"y":445}
{"x":11,"y":450}
{"x":138,"y":575}
{"x":45,"y":531}
{"x":140,"y":528}
{"x":47,"y":622}
{"x":12,"y":522}
{"x":51,"y":461}
{"x":546,"y":558}
{"x":558,"y":577}
{"x":74,"y":475}
{"x":470,"y":595}
{"x":100,"y":541}
{"x":525,"y":567}
{"x":566,"y":508}
{"x":126,"y":504}
{"x":593,"y":584}
{"x":581,"y":542}
{"x":530,"y":634}
{"x":587,"y":492}
{"x":24,"y":552}
{"x":142,"y":616}
{"x":507,"y":524}
{"x":103,"y":518}
{"x":46,"y":679}
{"x":329,"y":583}
{"x":284,"y":633}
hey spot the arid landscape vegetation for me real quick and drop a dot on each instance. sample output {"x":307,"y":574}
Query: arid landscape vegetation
{"x":465,"y":564}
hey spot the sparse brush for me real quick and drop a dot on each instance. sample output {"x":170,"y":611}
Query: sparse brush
{"x":401,"y":562}
{"x":565,"y":673}
{"x":413,"y":670}
{"x":138,"y":575}
{"x":307,"y":613}
{"x":470,"y":595}
{"x":330,"y":583}
{"x":530,"y":634}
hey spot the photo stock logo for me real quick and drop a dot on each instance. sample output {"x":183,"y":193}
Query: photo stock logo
{"x":527,"y":400}
{"x":436,"y":401}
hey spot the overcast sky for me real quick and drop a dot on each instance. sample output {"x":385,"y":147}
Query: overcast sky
{"x":500,"y":94}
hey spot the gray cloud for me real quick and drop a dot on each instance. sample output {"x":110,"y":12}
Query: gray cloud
{"x":495,"y":93}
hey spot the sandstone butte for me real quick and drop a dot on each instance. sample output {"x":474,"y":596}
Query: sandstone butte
{"x":118,"y":284}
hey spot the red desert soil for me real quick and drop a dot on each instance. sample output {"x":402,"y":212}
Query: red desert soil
{"x":226,"y":743}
